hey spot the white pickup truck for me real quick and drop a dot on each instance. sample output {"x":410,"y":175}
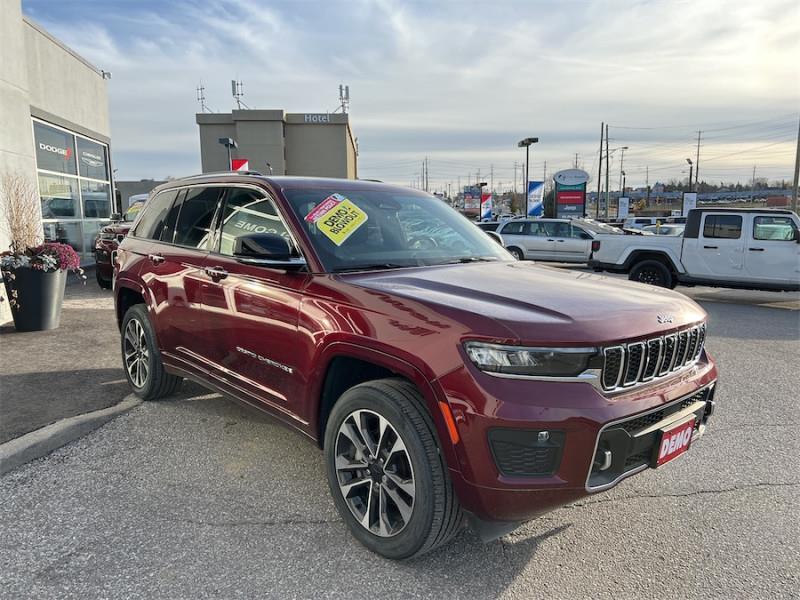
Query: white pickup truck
{"x":740,"y":248}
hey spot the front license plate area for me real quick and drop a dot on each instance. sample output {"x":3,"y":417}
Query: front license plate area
{"x":673,"y":441}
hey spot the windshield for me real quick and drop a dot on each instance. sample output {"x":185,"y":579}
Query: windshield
{"x":354,"y":229}
{"x":598,"y":227}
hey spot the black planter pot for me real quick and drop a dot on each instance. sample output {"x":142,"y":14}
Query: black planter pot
{"x":39,"y":295}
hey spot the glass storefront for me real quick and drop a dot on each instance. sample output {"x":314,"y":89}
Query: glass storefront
{"x":74,"y":186}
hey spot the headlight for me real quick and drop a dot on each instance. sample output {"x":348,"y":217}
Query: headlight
{"x":532,"y":362}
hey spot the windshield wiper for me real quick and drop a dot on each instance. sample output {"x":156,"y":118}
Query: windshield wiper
{"x":370,"y":267}
{"x":469,"y":259}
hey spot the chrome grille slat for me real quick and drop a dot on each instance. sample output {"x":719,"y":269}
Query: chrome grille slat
{"x":627,"y":365}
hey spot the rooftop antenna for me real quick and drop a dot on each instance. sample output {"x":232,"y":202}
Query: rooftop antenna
{"x":344,"y":98}
{"x":237,"y":90}
{"x":201,"y":98}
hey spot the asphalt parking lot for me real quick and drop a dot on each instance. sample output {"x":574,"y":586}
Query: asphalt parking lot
{"x":199,"y":498}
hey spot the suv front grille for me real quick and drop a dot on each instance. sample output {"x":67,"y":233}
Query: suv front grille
{"x":629,"y":364}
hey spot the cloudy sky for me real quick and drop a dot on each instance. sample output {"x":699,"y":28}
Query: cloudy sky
{"x":459,"y":81}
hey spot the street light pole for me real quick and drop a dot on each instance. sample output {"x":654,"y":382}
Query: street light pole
{"x":229,"y":143}
{"x":691,"y":166}
{"x":621,"y":160}
{"x":527,"y":144}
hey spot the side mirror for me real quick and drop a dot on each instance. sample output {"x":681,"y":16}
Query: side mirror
{"x":116,"y":216}
{"x":797,"y":235}
{"x":266,"y":250}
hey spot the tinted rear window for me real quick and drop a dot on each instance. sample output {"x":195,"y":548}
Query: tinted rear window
{"x":723,"y":226}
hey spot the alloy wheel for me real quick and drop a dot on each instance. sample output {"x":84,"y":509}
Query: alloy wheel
{"x":374,"y":473}
{"x":136,"y":353}
{"x":651,"y":276}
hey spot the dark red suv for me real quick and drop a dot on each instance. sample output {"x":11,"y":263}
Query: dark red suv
{"x":441,"y":377}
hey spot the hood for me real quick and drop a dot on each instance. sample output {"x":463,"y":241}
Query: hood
{"x":529,"y":303}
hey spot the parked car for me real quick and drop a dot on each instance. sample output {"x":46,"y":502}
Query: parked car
{"x":442,"y":379}
{"x":106,"y":242}
{"x":489,"y":225}
{"x":560,"y":240}
{"x":640,"y":222}
{"x":740,"y":248}
{"x":667,"y":229}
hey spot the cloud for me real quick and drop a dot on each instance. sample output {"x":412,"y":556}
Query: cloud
{"x":458,"y":81}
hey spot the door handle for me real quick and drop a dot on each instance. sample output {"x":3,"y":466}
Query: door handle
{"x":156,"y":259}
{"x":756,"y":249}
{"x":216,"y":273}
{"x":562,"y":241}
{"x":550,"y":240}
{"x":711,"y":247}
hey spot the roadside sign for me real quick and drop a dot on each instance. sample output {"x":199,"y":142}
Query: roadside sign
{"x":689,"y":202}
{"x":535,"y":200}
{"x":240,"y":164}
{"x":623,"y":208}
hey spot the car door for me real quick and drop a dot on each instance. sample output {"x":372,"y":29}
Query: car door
{"x":175,"y":275}
{"x":563,"y":246}
{"x":252,"y":312}
{"x":773,"y":254}
{"x":717,"y":252}
{"x":539,"y":244}
{"x":580,"y":244}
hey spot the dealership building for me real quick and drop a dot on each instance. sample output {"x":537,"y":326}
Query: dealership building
{"x":280,"y":143}
{"x":54,"y":129}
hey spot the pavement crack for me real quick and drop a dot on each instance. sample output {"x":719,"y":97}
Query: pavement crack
{"x":248,"y":523}
{"x":737,"y":488}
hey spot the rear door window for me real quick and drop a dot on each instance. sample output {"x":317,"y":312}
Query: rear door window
{"x":723,"y":227}
{"x":151,"y":223}
{"x":197,"y":209}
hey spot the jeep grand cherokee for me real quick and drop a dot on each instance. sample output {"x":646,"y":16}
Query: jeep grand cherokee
{"x":442,"y":379}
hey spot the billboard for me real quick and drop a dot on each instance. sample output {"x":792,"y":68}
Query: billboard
{"x":689,"y":202}
{"x":535,"y":201}
{"x":472,"y":199}
{"x":570,"y":200}
{"x":624,"y":207}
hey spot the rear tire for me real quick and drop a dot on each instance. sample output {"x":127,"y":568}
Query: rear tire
{"x":103,"y":283}
{"x":516,"y":252}
{"x":652,"y":272}
{"x":415,"y":508}
{"x":141,"y":359}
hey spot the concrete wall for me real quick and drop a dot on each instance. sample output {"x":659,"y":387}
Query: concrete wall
{"x":126,"y":189}
{"x":16,"y":137}
{"x":316,"y":150}
{"x":64,"y":88}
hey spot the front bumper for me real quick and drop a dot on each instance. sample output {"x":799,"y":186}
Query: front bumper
{"x":578,"y":419}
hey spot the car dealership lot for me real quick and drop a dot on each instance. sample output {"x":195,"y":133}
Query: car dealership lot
{"x":198,"y":497}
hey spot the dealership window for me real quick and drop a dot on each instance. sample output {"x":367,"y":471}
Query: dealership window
{"x":74,"y":185}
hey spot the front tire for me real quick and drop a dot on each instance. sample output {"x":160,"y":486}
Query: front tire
{"x":516,"y":252}
{"x":652,"y":272}
{"x":103,"y":283}
{"x":387,"y":477}
{"x":142,"y":360}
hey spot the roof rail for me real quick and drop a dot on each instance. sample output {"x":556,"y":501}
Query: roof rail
{"x":218,"y":173}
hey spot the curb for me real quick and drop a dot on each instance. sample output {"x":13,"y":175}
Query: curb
{"x":43,"y":441}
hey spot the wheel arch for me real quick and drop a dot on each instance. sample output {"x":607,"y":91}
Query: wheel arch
{"x":126,"y":296}
{"x":345,"y":365}
{"x":661,"y":256}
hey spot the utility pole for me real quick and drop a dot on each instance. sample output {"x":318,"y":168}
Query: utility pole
{"x":514,"y":190}
{"x":697,"y":164}
{"x":647,"y":184}
{"x":753,"y":185}
{"x":796,"y":171}
{"x":621,"y":160}
{"x":576,"y":160}
{"x":491,"y":179}
{"x":599,"y":175}
{"x":607,"y":163}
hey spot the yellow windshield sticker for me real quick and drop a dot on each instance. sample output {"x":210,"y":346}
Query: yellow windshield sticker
{"x":337,"y":217}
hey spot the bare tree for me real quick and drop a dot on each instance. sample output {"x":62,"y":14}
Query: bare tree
{"x":19,"y":212}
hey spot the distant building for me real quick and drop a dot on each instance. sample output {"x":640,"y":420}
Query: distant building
{"x":272,"y":141}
